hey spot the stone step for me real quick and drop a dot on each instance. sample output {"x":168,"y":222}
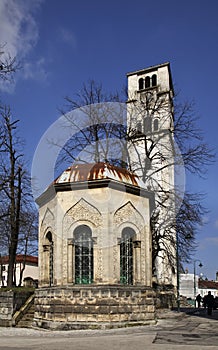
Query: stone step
{"x":27,"y":318}
{"x":23,"y":324}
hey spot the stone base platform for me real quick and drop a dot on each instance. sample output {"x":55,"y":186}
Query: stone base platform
{"x":93,"y":307}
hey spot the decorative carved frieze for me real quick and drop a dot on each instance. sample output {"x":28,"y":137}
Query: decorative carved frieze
{"x":128,"y":213}
{"x":82,"y":211}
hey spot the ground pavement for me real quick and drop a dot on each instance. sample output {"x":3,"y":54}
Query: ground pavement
{"x":174,"y":331}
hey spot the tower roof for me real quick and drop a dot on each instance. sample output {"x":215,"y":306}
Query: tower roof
{"x":98,"y":171}
{"x":150,"y":69}
{"x":156,"y":70}
{"x":96,"y":175}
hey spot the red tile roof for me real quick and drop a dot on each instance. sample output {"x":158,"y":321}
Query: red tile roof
{"x":207,"y":284}
{"x":21,"y":258}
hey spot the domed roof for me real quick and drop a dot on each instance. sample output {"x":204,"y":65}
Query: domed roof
{"x":98,"y":171}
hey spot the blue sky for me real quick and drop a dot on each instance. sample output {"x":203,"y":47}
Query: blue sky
{"x":64,"y":43}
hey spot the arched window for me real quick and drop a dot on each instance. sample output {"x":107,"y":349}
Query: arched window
{"x":147,"y":82}
{"x":141,"y":83}
{"x":50,"y":249}
{"x":147,"y":125}
{"x":154,"y":80}
{"x":156,"y":124}
{"x":139,"y":128}
{"x":83,"y":255}
{"x":126,"y":256}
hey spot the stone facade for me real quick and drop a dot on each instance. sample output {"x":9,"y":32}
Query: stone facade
{"x":6,"y":308}
{"x":95,"y":244}
{"x":10,"y":302}
{"x":106,"y":207}
{"x":79,"y":307}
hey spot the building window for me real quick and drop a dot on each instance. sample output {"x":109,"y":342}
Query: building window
{"x":83,"y":255}
{"x":147,"y":82}
{"x":156,"y":126}
{"x":126,"y":256}
{"x":50,"y":258}
{"x":141,"y":83}
{"x":147,"y":125}
{"x":139,"y":128}
{"x":154,"y":80}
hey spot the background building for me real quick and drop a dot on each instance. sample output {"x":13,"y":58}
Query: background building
{"x":30,"y":269}
{"x":203,"y":286}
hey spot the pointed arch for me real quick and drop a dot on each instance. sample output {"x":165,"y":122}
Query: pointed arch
{"x":129,"y":215}
{"x":48,"y":219}
{"x":81,"y":211}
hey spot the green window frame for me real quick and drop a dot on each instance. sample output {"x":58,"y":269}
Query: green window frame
{"x":126,"y":256}
{"x":83,"y":255}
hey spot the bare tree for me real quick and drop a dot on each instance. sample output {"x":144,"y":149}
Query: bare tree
{"x":176,"y":142}
{"x":98,"y":129}
{"x":15,"y":190}
{"x":17,"y":210}
{"x":28,"y":237}
{"x":8,"y":64}
{"x":157,"y":152}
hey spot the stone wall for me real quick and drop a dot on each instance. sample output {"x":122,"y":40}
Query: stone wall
{"x":165,"y":296}
{"x":79,"y":307}
{"x":10,"y":302}
{"x":6,"y":308}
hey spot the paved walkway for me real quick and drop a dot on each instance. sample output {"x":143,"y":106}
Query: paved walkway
{"x":173,"y":331}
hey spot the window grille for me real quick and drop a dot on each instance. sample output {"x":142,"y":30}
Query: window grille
{"x":83,"y":255}
{"x":126,"y":256}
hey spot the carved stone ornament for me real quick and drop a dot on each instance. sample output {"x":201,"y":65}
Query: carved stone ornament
{"x":137,"y":244}
{"x":48,"y":220}
{"x":82,"y":211}
{"x":128,"y":213}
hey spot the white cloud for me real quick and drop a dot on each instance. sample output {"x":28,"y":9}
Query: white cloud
{"x":19,"y":31}
{"x":18,"y":26}
{"x":205,"y":220}
{"x":67,"y":37}
{"x":35,"y":70}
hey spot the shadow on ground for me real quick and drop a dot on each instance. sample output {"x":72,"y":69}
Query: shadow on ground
{"x":199,"y":312}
